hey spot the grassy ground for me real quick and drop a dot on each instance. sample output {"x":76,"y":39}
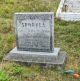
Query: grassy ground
{"x":67,"y":37}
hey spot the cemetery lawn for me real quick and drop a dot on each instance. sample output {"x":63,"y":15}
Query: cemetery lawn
{"x":67,"y":37}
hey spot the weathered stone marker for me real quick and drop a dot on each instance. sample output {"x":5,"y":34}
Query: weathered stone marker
{"x":34,"y":32}
{"x":35,"y":39}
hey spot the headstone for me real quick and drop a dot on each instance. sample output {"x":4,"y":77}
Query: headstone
{"x":35,"y":39}
{"x":69,"y":10}
{"x":34,"y":32}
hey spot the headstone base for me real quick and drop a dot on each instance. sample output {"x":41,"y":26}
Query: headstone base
{"x":55,"y":58}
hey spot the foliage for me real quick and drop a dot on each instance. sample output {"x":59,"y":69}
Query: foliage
{"x":3,"y":76}
{"x":79,"y":68}
{"x":16,"y":70}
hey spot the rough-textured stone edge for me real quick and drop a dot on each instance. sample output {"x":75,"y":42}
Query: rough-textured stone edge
{"x":47,"y":65}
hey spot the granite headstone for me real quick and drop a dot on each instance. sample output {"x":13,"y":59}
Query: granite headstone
{"x":34,"y":32}
{"x":35,"y":39}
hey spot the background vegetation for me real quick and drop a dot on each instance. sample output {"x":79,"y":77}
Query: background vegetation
{"x":67,"y":37}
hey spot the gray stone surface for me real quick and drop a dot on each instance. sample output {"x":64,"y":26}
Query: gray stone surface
{"x":36,"y":57}
{"x":54,"y":53}
{"x":34,"y":31}
{"x":72,"y":6}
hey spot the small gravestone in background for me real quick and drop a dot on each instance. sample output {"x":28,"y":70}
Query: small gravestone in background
{"x":69,"y":10}
{"x":35,"y":39}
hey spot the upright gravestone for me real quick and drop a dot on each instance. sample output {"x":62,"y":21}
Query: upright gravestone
{"x":34,"y":32}
{"x":35,"y":39}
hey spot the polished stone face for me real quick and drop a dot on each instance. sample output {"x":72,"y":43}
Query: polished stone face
{"x":34,"y":31}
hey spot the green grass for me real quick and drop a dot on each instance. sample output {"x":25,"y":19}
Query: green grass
{"x":67,"y":37}
{"x":4,"y":77}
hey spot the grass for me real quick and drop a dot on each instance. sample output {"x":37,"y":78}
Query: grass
{"x":67,"y":37}
{"x":4,"y":77}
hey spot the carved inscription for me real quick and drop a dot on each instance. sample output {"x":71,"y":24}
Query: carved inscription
{"x":34,"y":32}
